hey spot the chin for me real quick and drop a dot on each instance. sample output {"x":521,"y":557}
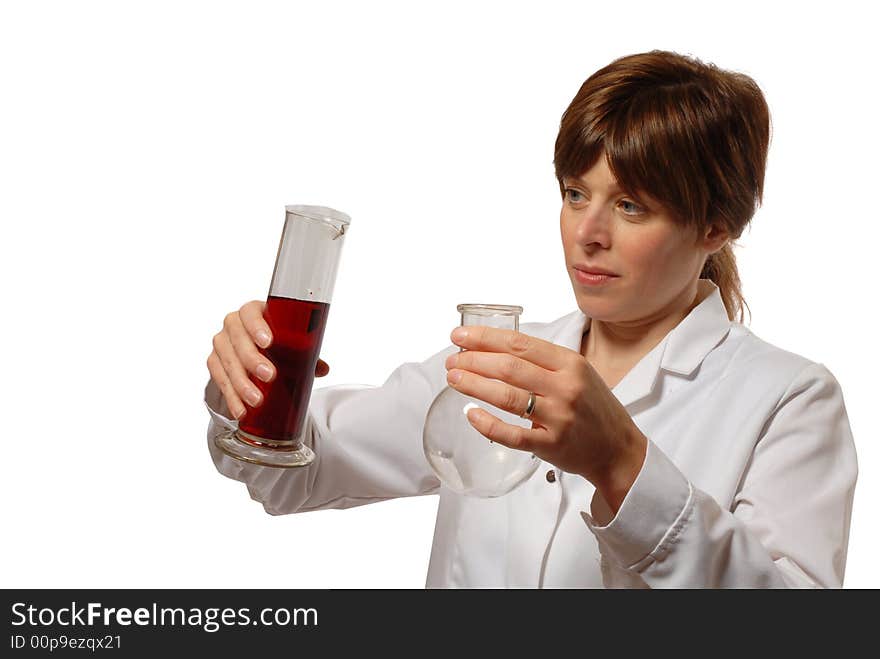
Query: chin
{"x":597,"y":306}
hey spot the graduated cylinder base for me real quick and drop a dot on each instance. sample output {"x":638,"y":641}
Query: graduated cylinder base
{"x":264,"y":452}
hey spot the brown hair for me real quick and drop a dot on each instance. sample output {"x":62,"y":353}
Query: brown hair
{"x":691,"y":135}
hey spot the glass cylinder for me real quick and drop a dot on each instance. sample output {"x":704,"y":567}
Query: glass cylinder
{"x":296,"y":311}
{"x":463,"y":459}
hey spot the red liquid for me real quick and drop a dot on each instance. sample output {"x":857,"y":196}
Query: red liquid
{"x":297,"y":330}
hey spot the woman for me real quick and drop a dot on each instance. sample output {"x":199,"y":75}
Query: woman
{"x":680,"y":449}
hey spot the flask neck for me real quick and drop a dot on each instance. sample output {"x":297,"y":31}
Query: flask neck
{"x":502,"y":322}
{"x":490,"y":315}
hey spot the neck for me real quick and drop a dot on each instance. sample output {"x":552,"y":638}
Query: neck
{"x":615,"y":345}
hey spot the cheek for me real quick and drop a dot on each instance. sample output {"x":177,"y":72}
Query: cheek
{"x":569,"y":223}
{"x":567,"y":234}
{"x":656,"y":256}
{"x":564,"y":227}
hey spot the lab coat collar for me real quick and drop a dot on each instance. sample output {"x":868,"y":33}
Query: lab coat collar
{"x":696,"y":336}
{"x":680,"y":352}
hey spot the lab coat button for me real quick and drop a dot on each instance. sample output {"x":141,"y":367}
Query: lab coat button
{"x":551,"y":476}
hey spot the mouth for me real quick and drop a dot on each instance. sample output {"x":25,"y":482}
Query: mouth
{"x":593,"y":276}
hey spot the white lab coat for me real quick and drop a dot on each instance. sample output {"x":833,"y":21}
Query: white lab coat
{"x":748,"y":479}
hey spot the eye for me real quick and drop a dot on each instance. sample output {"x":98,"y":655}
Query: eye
{"x":636,"y":209}
{"x":574,"y":196}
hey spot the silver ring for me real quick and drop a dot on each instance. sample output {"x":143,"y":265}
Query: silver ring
{"x":530,"y":407}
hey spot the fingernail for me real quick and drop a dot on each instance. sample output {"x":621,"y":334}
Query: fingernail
{"x":264,"y":372}
{"x":253,"y":397}
{"x":454,"y":377}
{"x":262,"y":338}
{"x":459,"y":334}
{"x":451,"y":361}
{"x":240,"y":412}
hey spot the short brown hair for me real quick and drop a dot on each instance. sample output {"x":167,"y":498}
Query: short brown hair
{"x":691,"y":135}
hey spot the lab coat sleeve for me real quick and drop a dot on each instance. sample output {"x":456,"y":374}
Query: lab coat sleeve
{"x":367,"y":441}
{"x":789,"y":522}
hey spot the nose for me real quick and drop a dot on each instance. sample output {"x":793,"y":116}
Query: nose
{"x":593,"y":226}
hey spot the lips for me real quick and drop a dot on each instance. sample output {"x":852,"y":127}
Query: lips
{"x":593,"y":276}
{"x":595,"y":270}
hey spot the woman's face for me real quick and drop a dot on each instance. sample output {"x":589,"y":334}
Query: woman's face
{"x":655,"y":262}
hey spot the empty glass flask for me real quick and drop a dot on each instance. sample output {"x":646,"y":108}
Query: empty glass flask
{"x":464,"y":459}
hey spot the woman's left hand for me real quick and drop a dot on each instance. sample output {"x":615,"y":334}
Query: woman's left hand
{"x":577,"y":422}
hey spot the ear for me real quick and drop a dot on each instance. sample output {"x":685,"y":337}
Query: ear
{"x":714,"y":238}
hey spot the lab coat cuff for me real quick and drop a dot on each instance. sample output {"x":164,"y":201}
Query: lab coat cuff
{"x":651,"y":518}
{"x":217,"y":408}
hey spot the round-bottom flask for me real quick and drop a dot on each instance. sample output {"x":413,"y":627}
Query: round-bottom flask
{"x":464,"y":460}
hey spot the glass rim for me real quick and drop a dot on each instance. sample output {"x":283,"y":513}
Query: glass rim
{"x":490,"y":309}
{"x":319,"y":214}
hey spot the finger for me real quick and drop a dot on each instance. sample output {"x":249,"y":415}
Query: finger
{"x":254,"y":361}
{"x":251,"y":314}
{"x":218,"y":375}
{"x":492,"y":339}
{"x":229,"y":360}
{"x":516,"y":437}
{"x":500,"y":394}
{"x":507,"y":368}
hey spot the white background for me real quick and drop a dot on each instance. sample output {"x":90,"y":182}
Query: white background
{"x":147,"y":150}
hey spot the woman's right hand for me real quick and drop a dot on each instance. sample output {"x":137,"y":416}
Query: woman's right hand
{"x":235,"y":357}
